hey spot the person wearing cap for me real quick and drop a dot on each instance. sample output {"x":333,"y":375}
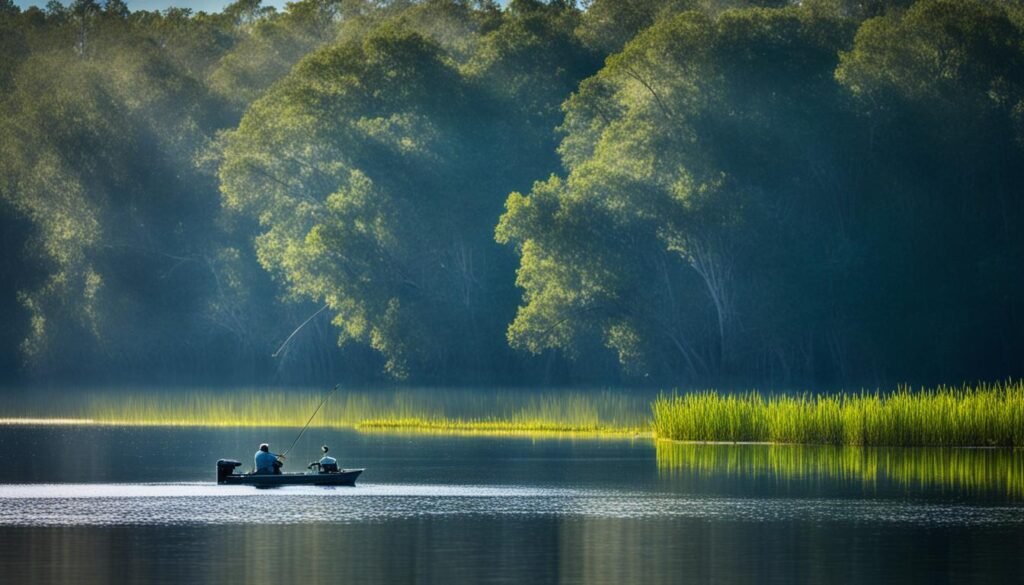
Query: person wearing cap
{"x":327,"y":463}
{"x":267,"y":462}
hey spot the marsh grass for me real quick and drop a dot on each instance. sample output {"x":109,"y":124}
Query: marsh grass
{"x":409,"y":409}
{"x":983,"y":415}
{"x":961,"y":469}
{"x":494,"y":425}
{"x":471,"y":428}
{"x":571,"y":412}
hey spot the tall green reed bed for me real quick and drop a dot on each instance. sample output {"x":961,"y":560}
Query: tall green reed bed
{"x":409,"y":409}
{"x":996,"y":471}
{"x":983,"y":415}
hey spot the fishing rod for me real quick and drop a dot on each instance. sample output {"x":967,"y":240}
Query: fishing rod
{"x":297,"y":329}
{"x":333,"y":390}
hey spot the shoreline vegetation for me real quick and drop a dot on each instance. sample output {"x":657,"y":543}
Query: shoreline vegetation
{"x":985,"y":415}
{"x":408,"y":410}
{"x":698,"y":435}
{"x":497,"y":425}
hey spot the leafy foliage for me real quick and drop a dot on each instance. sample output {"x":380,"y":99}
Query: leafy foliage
{"x":374,"y":166}
{"x":822,"y":192}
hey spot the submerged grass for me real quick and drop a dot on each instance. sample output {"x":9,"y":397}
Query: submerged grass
{"x":494,"y":425}
{"x":433,"y":410}
{"x":571,"y":412}
{"x":969,"y":470}
{"x":983,"y":415}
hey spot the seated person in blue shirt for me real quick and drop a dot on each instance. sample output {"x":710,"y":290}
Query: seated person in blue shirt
{"x":267,"y":462}
{"x":327,"y":463}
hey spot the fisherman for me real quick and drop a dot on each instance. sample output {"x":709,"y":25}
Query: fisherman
{"x":267,"y":462}
{"x":327,"y":463}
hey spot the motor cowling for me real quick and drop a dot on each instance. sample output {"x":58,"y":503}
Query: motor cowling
{"x":226,"y":467}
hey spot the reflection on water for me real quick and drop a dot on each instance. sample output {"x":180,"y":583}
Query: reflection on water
{"x":978,"y":471}
{"x":90,"y":505}
{"x":510,"y":549}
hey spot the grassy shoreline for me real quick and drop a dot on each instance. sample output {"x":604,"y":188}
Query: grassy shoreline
{"x":591,"y":413}
{"x":983,"y":415}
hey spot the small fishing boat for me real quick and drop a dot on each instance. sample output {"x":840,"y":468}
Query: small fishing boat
{"x":326,"y":473}
{"x":226,"y":476}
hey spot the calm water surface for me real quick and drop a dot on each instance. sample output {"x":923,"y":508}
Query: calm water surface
{"x":105,"y":505}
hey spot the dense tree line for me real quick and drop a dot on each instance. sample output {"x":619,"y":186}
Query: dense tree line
{"x":679,"y":192}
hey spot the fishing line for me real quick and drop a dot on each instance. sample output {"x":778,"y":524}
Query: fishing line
{"x":297,"y":329}
{"x":310,"y":419}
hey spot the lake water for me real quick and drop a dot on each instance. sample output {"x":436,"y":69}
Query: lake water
{"x":139,"y":505}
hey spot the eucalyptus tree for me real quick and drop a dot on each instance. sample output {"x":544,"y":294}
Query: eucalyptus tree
{"x":940,"y":88}
{"x":13,"y":47}
{"x":98,"y":146}
{"x":268,"y":45}
{"x":747,"y":191}
{"x":684,"y":158}
{"x":377,"y":165}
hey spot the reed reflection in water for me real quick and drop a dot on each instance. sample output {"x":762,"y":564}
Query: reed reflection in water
{"x":975,"y":471}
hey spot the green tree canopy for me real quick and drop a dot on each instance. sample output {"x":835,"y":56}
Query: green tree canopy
{"x":374,"y":166}
{"x":682,"y":154}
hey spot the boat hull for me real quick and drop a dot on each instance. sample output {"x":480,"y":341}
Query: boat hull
{"x":343,"y":477}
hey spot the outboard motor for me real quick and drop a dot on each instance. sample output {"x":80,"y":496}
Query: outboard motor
{"x":226,"y":467}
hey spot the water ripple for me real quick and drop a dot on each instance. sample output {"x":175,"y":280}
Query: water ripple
{"x":209,"y":504}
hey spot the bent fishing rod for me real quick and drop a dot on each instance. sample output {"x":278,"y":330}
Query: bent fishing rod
{"x":328,"y":395}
